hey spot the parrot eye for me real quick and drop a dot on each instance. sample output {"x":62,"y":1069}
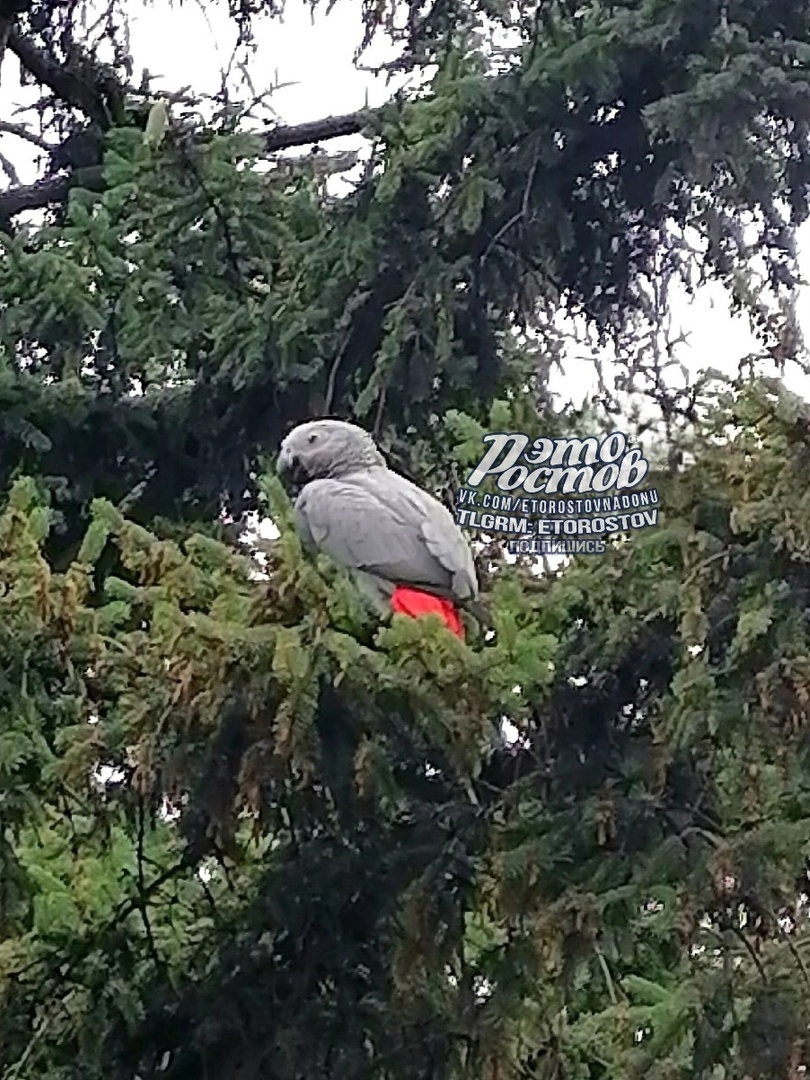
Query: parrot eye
{"x":312,"y":438}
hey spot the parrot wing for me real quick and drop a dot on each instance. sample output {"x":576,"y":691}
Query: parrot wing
{"x":385,"y":529}
{"x":444,"y":539}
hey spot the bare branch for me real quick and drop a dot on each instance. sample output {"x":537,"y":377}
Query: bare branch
{"x":22,"y":132}
{"x":316,"y":131}
{"x":75,"y":84}
{"x":9,"y":170}
{"x":47,"y":192}
{"x":5,"y":30}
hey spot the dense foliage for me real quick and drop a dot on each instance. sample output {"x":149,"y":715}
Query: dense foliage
{"x":315,"y":856}
{"x":636,"y":870}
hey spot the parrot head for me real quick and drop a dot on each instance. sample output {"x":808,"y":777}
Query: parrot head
{"x":325,"y":449}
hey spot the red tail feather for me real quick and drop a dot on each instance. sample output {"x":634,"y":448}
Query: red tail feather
{"x":416,"y":604}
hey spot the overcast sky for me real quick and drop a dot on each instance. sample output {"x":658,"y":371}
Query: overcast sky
{"x":185,"y":45}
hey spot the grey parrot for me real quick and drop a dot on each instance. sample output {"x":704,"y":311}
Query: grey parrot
{"x":400,"y":545}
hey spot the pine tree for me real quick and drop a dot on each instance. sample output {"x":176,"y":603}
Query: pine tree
{"x":314,"y":857}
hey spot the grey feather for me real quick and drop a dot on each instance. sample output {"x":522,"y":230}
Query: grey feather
{"x":372,"y":521}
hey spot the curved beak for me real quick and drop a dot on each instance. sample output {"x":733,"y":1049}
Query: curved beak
{"x":290,"y":471}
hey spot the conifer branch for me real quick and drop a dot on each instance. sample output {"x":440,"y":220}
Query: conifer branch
{"x":85,"y":84}
{"x":54,"y":190}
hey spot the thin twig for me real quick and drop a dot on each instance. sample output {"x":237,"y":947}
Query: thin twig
{"x":143,"y":904}
{"x":22,"y":132}
{"x":9,"y":169}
